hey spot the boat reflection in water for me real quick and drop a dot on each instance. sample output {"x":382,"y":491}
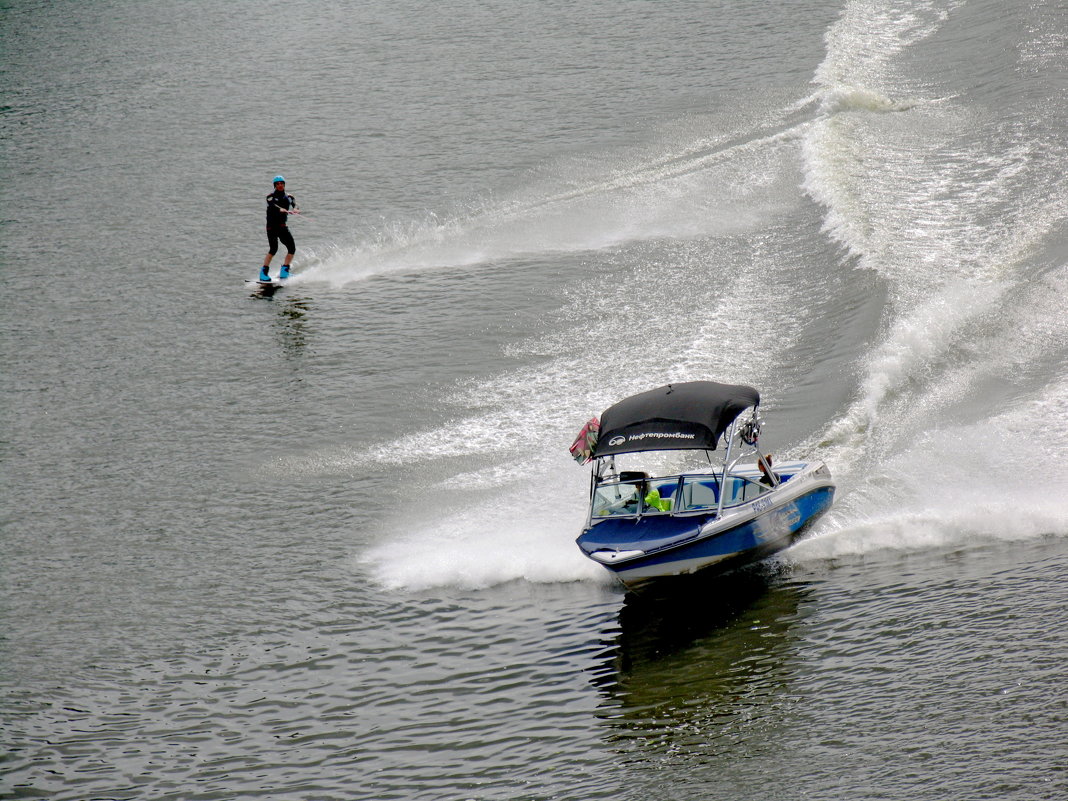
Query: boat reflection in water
{"x":698,"y":670}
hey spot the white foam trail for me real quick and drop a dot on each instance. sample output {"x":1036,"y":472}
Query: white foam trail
{"x":991,"y":480}
{"x":541,"y":406}
{"x":478,"y":539}
{"x":946,"y":346}
{"x":952,"y":222}
{"x":859,"y":165}
{"x":943,"y":217}
{"x":863,"y":43}
{"x":899,"y":367}
{"x":678,"y":190}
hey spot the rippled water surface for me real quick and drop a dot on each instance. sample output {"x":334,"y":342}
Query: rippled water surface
{"x":320,"y":545}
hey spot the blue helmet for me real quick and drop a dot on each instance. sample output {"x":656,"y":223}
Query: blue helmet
{"x":278,"y":178}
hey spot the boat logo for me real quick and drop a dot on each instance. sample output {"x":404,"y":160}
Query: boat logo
{"x":617,"y":441}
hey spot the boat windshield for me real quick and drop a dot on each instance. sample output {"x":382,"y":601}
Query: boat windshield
{"x":631,"y":497}
{"x":701,"y":492}
{"x":695,"y":493}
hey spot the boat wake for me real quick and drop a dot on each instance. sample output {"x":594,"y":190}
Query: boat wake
{"x":685,"y":184}
{"x":511,"y":537}
{"x":947,"y":419}
{"x":987,"y":480}
{"x":959,"y":212}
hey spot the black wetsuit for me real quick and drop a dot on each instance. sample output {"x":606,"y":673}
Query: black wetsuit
{"x":277,"y":230}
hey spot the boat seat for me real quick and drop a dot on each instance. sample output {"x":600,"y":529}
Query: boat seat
{"x":705,"y":497}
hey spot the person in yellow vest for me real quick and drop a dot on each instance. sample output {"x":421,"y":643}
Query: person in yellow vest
{"x":649,"y":495}
{"x":654,"y":501}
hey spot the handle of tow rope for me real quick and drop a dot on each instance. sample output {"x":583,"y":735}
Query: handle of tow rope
{"x":292,"y":211}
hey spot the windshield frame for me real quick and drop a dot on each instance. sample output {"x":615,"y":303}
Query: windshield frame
{"x":741,"y":489}
{"x":666,"y":488}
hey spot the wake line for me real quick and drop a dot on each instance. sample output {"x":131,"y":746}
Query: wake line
{"x":626,"y":208}
{"x":489,"y":234}
{"x":689,"y":162}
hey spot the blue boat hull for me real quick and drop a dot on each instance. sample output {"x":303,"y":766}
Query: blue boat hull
{"x":674,"y":545}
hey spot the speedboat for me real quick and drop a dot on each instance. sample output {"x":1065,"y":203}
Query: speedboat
{"x":646,"y":524}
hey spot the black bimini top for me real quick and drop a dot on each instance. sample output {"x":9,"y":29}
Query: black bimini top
{"x":692,"y":415}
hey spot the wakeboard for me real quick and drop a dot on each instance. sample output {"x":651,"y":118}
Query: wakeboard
{"x":266,"y":287}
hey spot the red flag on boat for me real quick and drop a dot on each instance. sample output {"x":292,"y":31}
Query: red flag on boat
{"x":586,"y":441}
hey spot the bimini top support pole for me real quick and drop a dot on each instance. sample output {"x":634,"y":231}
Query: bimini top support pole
{"x":723,"y":473}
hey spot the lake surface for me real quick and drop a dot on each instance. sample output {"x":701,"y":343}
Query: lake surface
{"x":320,"y":545}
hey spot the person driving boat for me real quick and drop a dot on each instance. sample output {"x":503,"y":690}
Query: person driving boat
{"x":649,"y":494}
{"x":653,"y":499}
